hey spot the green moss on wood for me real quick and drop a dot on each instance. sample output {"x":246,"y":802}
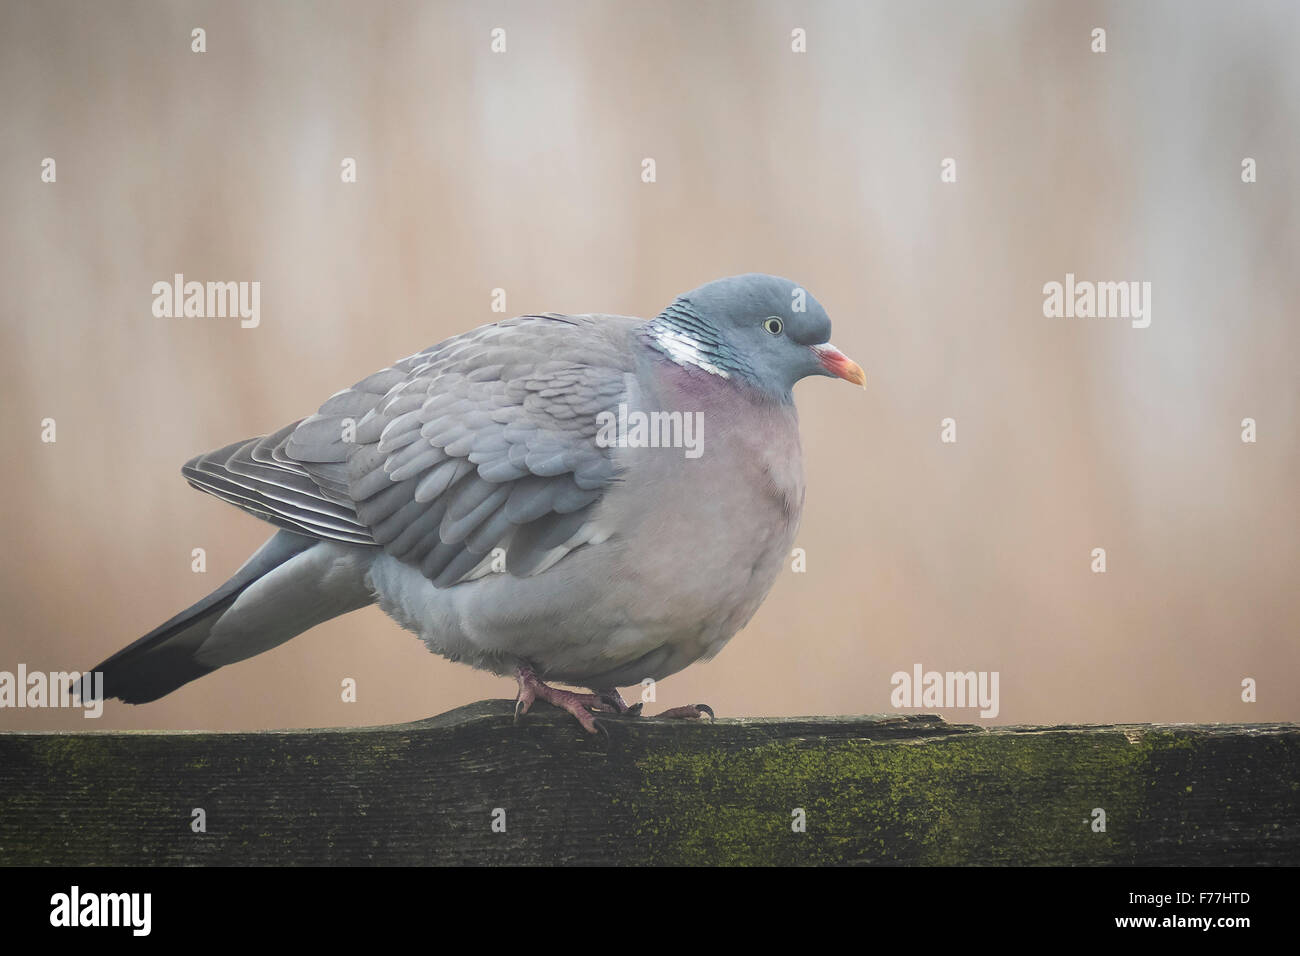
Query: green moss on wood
{"x":874,"y":789}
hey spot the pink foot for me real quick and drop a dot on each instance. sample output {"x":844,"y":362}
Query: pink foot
{"x":688,"y":712}
{"x":531,"y":689}
{"x":615,"y":700}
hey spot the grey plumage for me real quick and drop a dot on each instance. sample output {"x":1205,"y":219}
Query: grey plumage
{"x":453,"y":450}
{"x":418,"y":484}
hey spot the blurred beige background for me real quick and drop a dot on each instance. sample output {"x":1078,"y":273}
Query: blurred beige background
{"x":522,"y":171}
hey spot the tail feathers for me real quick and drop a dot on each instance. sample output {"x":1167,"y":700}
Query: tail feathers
{"x":165,"y":658}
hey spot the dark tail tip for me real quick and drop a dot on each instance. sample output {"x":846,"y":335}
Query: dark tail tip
{"x":151,"y":675}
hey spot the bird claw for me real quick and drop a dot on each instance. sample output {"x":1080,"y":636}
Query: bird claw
{"x":688,"y":712}
{"x":584,"y":707}
{"x":531,"y":689}
{"x":613,"y":701}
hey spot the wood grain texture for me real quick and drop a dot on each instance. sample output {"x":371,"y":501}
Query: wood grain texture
{"x":875,"y":789}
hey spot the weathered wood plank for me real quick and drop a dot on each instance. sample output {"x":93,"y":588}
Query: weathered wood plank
{"x":875,"y":789}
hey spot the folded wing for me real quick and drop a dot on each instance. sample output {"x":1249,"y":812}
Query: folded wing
{"x":484,"y":441}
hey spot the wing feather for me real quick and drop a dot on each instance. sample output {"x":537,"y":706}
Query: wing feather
{"x":484,"y":441}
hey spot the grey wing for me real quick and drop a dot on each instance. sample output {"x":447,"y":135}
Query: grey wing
{"x":255,"y":476}
{"x":485,"y":441}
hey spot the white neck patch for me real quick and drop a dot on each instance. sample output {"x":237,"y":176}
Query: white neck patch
{"x":682,"y":347}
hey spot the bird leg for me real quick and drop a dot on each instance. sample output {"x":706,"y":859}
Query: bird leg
{"x":688,"y":712}
{"x":615,"y":701}
{"x":532,"y":689}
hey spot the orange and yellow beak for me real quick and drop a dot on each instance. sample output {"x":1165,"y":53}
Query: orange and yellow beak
{"x":840,"y":365}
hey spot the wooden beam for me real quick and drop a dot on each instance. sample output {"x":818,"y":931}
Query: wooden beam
{"x":872,"y":789}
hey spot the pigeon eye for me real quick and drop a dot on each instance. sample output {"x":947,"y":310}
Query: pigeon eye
{"x":773,"y":325}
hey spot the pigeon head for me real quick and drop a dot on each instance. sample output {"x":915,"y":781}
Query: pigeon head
{"x":762,"y":330}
